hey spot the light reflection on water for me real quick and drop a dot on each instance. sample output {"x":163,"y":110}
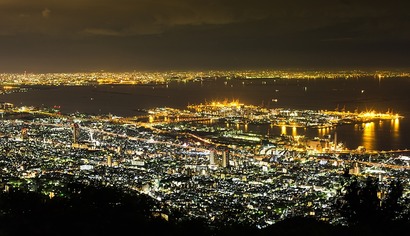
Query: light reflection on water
{"x":371,"y":135}
{"x":283,"y":130}
{"x":396,"y":126}
{"x":380,"y":95}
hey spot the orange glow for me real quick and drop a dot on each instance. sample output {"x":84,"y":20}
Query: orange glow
{"x":294,"y":131}
{"x":396,"y":126}
{"x":373,"y":115}
{"x":369,"y":136}
{"x":234,"y":103}
{"x":283,"y":130}
{"x":323,"y":131}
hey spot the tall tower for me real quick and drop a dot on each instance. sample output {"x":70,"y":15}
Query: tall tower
{"x":109,"y":160}
{"x":212,"y":157}
{"x":225,"y":158}
{"x":76,"y":132}
{"x":335,"y":140}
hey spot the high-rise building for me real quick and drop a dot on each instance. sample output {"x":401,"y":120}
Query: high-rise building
{"x":76,"y":132}
{"x":212,"y":157}
{"x":109,"y":160}
{"x":335,"y":141}
{"x":355,"y":170}
{"x":225,"y":158}
{"x":24,"y":133}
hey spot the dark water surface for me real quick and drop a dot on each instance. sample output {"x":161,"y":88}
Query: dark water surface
{"x":389,"y":94}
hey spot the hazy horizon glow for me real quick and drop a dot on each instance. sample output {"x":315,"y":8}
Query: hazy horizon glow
{"x":125,"y":35}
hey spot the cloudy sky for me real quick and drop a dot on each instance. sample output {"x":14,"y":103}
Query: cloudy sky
{"x":127,"y":35}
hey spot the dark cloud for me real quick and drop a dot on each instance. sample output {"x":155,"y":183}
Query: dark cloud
{"x":128,"y":34}
{"x":122,"y":16}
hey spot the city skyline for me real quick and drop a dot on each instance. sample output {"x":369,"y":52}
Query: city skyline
{"x":81,"y":36}
{"x":215,"y":117}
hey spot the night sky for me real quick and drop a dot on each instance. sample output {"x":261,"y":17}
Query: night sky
{"x":125,"y":35}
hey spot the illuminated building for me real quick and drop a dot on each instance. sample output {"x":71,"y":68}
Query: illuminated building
{"x":225,"y":158}
{"x":24,"y":133}
{"x":6,"y":105}
{"x":109,"y":160}
{"x":212,"y":157}
{"x":76,"y":132}
{"x":355,"y":170}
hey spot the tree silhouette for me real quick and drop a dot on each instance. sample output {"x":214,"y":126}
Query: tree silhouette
{"x":392,"y":206}
{"x":363,"y":203}
{"x":88,"y":210}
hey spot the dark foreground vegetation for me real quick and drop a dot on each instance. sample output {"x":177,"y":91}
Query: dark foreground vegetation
{"x":90,"y":210}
